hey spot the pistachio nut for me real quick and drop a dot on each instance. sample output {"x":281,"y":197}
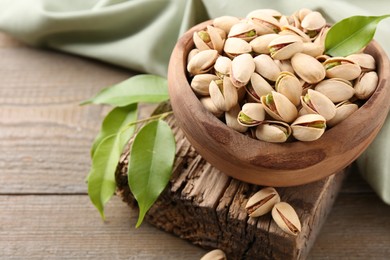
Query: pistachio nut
{"x":269,"y":12}
{"x":340,"y":67}
{"x":223,"y":94}
{"x":201,"y":82}
{"x":251,"y":114}
{"x":308,"y":127}
{"x":222,"y":66}
{"x":192,"y":53}
{"x":266,"y":67}
{"x":243,"y":31}
{"x":320,"y":39}
{"x":236,"y":46}
{"x":290,"y":86}
{"x":308,"y":68}
{"x":209,"y":105}
{"x":366,"y":84}
{"x":313,"y":49}
{"x":216,"y":254}
{"x":279,"y":107}
{"x":273,"y":131}
{"x":336,"y":89}
{"x":264,"y":23}
{"x":284,"y":20}
{"x":285,"y":65}
{"x":201,"y":40}
{"x":292,"y":30}
{"x":343,"y":110}
{"x":231,"y":119}
{"x":301,"y":13}
{"x":260,"y":43}
{"x":258,"y":87}
{"x":217,"y":41}
{"x":312,"y":23}
{"x":202,"y":62}
{"x":285,"y":46}
{"x":317,"y":103}
{"x":262,"y":202}
{"x":286,"y":218}
{"x":302,"y":112}
{"x":364,"y":60}
{"x":225,"y":22}
{"x":242,"y":68}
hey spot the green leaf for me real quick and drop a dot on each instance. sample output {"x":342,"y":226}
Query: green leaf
{"x":150,"y":164}
{"x":140,"y":88}
{"x":101,"y":181}
{"x":351,"y":34}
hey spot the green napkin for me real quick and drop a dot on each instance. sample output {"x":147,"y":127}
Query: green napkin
{"x":140,"y":35}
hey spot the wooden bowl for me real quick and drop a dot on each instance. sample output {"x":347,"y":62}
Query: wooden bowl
{"x":270,"y":164}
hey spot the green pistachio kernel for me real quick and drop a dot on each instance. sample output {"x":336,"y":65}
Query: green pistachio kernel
{"x":332,"y":64}
{"x":204,"y":36}
{"x":250,"y":33}
{"x":317,"y":124}
{"x":243,"y":118}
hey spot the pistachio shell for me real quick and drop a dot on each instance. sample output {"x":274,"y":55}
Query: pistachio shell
{"x":313,"y":49}
{"x":273,"y":131}
{"x":201,"y":82}
{"x":260,"y":43}
{"x":202,"y":62}
{"x":262,"y":202}
{"x":364,"y":60}
{"x":222,"y":66}
{"x":366,"y":84}
{"x":289,"y":85}
{"x":251,"y":114}
{"x":280,"y":108}
{"x":308,"y":127}
{"x":269,"y":12}
{"x":308,"y":68}
{"x":216,"y":254}
{"x":258,"y":87}
{"x":191,"y":54}
{"x":223,"y":94}
{"x":292,"y":30}
{"x":340,"y":67}
{"x":243,"y":31}
{"x":303,"y":111}
{"x":264,"y":23}
{"x":216,"y":39}
{"x":285,"y":65}
{"x":343,"y":110}
{"x":335,"y":89}
{"x":236,"y":46}
{"x":286,"y":218}
{"x":303,"y":12}
{"x":285,"y":46}
{"x":313,"y":21}
{"x":201,"y":44}
{"x":242,"y":68}
{"x":225,"y":22}
{"x":209,"y":105}
{"x":231,"y":119}
{"x":318,"y":103}
{"x":266,"y":67}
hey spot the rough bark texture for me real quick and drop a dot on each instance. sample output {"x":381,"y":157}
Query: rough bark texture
{"x":206,"y":207}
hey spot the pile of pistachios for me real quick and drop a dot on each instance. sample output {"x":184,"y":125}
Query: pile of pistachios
{"x":267,"y":75}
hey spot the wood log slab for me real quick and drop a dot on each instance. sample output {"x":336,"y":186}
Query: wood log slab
{"x":206,"y":207}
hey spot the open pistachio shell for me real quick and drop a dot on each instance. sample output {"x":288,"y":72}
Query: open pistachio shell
{"x":251,"y":114}
{"x":269,"y":12}
{"x":223,"y":94}
{"x":286,"y":218}
{"x":285,"y":46}
{"x":364,"y":60}
{"x":312,"y":23}
{"x":225,"y":22}
{"x":262,"y":202}
{"x":236,"y":46}
{"x":279,"y":107}
{"x":243,"y":31}
{"x":264,"y":23}
{"x":266,"y":67}
{"x":209,"y":105}
{"x":242,"y":68}
{"x":308,"y":127}
{"x":231,"y":119}
{"x":366,"y":84}
{"x":292,"y":30}
{"x":336,"y":89}
{"x":222,"y":66}
{"x":308,"y":68}
{"x":192,"y":53}
{"x":343,"y":110}
{"x":290,"y":86}
{"x":201,"y":82}
{"x":201,"y":40}
{"x":313,"y":49}
{"x":285,"y":65}
{"x":301,"y":13}
{"x":340,"y":67}
{"x":216,"y":40}
{"x":273,"y":131}
{"x":258,"y":87}
{"x":202,"y":62}
{"x":260,"y":43}
{"x":317,"y":103}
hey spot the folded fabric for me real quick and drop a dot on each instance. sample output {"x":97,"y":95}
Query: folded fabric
{"x":140,"y":35}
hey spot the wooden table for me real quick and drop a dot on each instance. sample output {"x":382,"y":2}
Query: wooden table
{"x":45,"y":212}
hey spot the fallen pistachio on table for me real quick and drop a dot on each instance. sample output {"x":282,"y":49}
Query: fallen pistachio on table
{"x":216,"y":254}
{"x":283,"y":64}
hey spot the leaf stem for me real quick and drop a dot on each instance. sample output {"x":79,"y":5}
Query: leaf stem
{"x":151,"y":118}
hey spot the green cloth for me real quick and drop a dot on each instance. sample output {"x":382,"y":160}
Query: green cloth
{"x":140,"y":35}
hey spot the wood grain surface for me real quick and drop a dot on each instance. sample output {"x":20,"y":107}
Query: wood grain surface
{"x":44,"y":157}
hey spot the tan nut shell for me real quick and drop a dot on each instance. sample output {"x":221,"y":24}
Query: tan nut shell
{"x":216,"y":254}
{"x":285,"y":110}
{"x":292,"y":30}
{"x":290,"y":86}
{"x":202,"y":62}
{"x":264,"y":23}
{"x":266,"y":67}
{"x":336,"y":89}
{"x":364,"y":60}
{"x":255,"y":111}
{"x":313,"y":21}
{"x":308,"y":68}
{"x":293,"y":44}
{"x":273,"y":131}
{"x":236,"y":46}
{"x":313,"y":49}
{"x":209,"y":105}
{"x":348,"y":69}
{"x":282,"y":211}
{"x":222,"y":66}
{"x":260,"y":43}
{"x":285,"y":65}
{"x":262,"y":202}
{"x":320,"y":104}
{"x":201,"y":82}
{"x":343,"y":110}
{"x":226,"y":100}
{"x":242,"y":68}
{"x":366,"y":84}
{"x":305,"y":133}
{"x":231,"y":119}
{"x":240,"y":29}
{"x":225,"y":22}
{"x":258,"y":87}
{"x":259,"y":12}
